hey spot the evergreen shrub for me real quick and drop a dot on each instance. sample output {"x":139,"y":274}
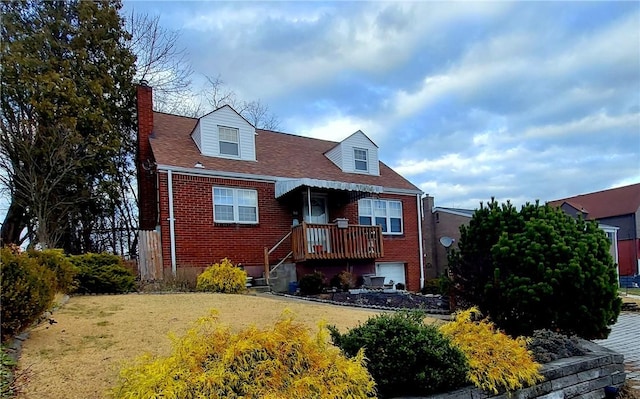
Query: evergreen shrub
{"x":28,"y":289}
{"x":283,"y":361}
{"x":222,"y":277}
{"x":102,"y":273}
{"x":497,"y":362}
{"x":56,"y":261}
{"x":311,"y":284}
{"x":537,"y":268}
{"x":404,"y":356}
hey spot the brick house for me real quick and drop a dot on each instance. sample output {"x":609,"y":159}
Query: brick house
{"x":216,"y":187}
{"x":441,"y":233}
{"x":618,"y":212}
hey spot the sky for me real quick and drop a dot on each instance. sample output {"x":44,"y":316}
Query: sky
{"x":520,"y":101}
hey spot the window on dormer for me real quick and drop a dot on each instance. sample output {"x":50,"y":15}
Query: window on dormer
{"x":229,"y":144}
{"x":361,"y":158}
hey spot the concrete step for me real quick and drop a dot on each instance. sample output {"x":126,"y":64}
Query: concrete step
{"x":258,"y":282}
{"x":260,"y":288}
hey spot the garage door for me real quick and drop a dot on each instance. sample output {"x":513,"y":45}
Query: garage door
{"x":391,"y":271}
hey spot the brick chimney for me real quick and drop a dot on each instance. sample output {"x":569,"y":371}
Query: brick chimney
{"x":145,"y":162}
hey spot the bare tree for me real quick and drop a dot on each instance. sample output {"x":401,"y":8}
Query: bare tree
{"x":257,"y":113}
{"x":160,"y":60}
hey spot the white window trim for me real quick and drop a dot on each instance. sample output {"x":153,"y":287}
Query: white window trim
{"x":236,"y":216}
{"x":388,"y":217}
{"x":222,"y":154}
{"x":366,"y":152}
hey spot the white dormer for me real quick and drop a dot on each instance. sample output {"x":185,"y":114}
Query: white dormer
{"x":223,"y":133}
{"x":356,"y":154}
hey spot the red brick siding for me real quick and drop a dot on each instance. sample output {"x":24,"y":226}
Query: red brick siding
{"x":405,"y":248}
{"x":201,"y":242}
{"x":148,"y":211}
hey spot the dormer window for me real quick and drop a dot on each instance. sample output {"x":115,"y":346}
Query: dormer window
{"x":361,"y":158}
{"x":229,"y":143}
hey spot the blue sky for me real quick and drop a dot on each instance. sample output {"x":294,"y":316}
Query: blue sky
{"x":468,"y":100}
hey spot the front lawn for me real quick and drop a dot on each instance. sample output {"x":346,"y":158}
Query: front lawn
{"x":79,"y":356}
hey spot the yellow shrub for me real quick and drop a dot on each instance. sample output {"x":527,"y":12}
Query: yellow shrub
{"x":284,"y":361}
{"x":496,"y":361}
{"x":222,"y":277}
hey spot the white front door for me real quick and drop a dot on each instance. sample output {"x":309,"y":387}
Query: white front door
{"x":317,"y":237}
{"x":319,"y":213}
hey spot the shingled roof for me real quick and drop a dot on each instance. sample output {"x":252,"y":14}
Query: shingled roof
{"x":278,"y":154}
{"x":605,"y":203}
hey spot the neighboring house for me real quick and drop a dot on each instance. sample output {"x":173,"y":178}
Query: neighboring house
{"x":441,"y":233}
{"x":216,"y":187}
{"x":618,"y":212}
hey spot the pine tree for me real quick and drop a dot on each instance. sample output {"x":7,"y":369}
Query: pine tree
{"x":537,"y":269}
{"x":67,"y":117}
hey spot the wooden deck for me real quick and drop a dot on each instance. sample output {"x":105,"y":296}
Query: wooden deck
{"x":329,"y":241}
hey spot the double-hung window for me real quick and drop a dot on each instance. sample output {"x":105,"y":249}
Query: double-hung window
{"x":229,"y":142}
{"x":235,"y":205}
{"x":361,"y":159}
{"x":384,"y":213}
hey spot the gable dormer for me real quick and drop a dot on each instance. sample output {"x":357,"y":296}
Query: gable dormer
{"x":224,"y":133}
{"x":356,"y":154}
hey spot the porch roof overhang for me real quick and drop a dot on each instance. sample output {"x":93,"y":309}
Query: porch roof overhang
{"x":284,"y":187}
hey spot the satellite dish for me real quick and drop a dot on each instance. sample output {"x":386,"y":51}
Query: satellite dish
{"x":446,"y":241}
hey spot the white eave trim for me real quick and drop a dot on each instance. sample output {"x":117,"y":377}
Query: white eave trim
{"x":275,"y":179}
{"x":452,"y":212}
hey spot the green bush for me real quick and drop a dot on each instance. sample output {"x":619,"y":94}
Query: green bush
{"x":7,"y":368}
{"x":311,"y":284}
{"x":343,"y":281}
{"x":222,"y":277}
{"x":537,"y":268}
{"x":28,"y":289}
{"x":56,"y":261}
{"x":405,"y":356}
{"x":102,"y":273}
{"x":440,"y":285}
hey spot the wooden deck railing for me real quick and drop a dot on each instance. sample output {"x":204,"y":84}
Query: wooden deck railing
{"x":328,"y":241}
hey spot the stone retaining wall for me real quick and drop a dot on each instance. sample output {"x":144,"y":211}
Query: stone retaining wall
{"x":581,"y":376}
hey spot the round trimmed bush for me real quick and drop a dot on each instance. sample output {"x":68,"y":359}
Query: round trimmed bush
{"x":56,"y":261}
{"x":537,"y":268}
{"x":311,"y":284}
{"x":28,"y":289}
{"x":102,"y":273}
{"x":405,"y":356}
{"x":222,"y":277}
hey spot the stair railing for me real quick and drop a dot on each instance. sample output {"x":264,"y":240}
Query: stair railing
{"x":268,"y":252}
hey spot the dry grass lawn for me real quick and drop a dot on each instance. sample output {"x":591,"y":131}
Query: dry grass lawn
{"x":80,"y":355}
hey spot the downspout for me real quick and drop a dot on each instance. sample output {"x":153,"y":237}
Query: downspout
{"x":172,"y":227}
{"x":419,"y":205}
{"x":309,"y":202}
